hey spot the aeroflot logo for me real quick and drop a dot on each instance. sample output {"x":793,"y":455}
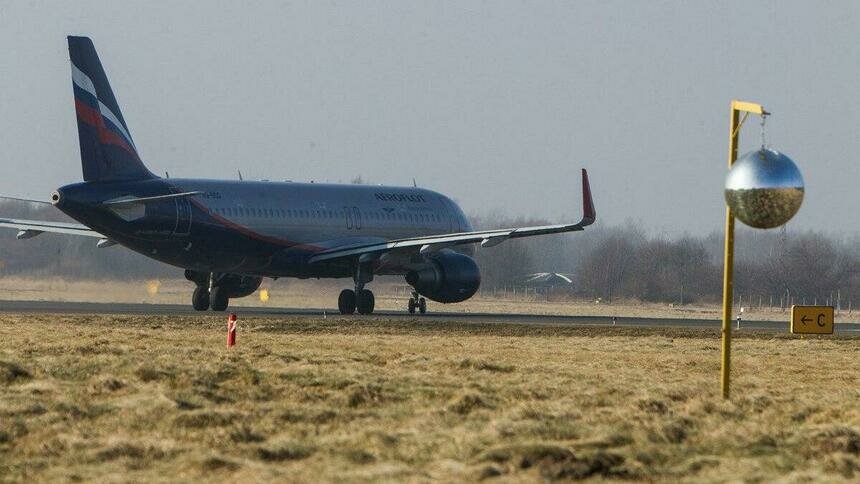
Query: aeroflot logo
{"x":399,"y":197}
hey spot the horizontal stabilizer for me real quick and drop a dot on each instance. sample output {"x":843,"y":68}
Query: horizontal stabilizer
{"x":17,"y":199}
{"x":156,"y":198}
{"x":32,"y":228}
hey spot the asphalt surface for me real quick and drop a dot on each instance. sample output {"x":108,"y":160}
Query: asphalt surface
{"x":59,"y":307}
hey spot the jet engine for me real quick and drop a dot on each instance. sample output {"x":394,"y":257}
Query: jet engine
{"x":448,"y":277}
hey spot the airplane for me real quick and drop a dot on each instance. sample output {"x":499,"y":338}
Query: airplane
{"x":229,"y":235}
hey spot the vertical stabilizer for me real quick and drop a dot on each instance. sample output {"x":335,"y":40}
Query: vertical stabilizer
{"x":107,"y":149}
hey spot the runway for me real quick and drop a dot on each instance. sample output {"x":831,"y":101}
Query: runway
{"x":60,"y":307}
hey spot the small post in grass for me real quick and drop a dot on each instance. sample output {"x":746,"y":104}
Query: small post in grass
{"x":231,"y":330}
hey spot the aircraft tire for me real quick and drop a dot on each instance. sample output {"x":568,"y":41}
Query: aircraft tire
{"x":218,"y":299}
{"x":411,"y":306}
{"x":422,"y":305}
{"x":200,"y":299}
{"x":365,"y":301}
{"x":346,"y":301}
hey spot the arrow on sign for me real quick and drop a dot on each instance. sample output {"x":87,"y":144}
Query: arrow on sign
{"x":804,"y":319}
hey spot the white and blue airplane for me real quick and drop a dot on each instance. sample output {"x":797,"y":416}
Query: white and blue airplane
{"x":229,"y":235}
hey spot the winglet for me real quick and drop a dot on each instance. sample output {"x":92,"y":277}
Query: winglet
{"x":589,"y":214}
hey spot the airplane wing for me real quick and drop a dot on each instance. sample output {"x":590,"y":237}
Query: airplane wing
{"x":487,"y":238}
{"x":32,"y":228}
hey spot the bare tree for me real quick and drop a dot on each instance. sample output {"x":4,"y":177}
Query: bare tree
{"x":605,"y":271}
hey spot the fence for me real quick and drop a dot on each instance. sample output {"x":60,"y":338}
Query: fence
{"x":749,"y":301}
{"x":511,"y":292}
{"x":784,"y":301}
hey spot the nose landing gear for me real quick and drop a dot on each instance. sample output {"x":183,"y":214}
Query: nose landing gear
{"x":417,"y":302}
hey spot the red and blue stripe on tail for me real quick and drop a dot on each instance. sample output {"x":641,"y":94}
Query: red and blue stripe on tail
{"x":107,"y":149}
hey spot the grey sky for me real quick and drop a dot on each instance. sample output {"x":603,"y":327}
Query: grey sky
{"x":497,"y":104}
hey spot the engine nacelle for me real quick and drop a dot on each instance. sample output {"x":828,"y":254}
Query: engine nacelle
{"x":448,"y":278}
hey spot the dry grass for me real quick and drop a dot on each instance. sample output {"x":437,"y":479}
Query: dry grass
{"x":352,"y":399}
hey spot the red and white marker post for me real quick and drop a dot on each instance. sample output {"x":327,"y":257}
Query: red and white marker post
{"x":231,"y":330}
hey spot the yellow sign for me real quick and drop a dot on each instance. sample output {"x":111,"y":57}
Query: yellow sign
{"x":812,"y":319}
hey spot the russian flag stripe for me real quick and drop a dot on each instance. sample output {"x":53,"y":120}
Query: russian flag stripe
{"x":92,"y":117}
{"x":85,"y":89}
{"x":110,"y":116}
{"x":87,"y":113}
{"x":85,"y":96}
{"x":83,"y":81}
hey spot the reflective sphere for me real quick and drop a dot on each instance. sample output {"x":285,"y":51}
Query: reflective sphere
{"x":764,"y":189}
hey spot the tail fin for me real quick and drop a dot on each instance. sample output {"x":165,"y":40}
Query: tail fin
{"x":107,"y":150}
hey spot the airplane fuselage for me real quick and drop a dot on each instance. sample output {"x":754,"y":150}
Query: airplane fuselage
{"x":259,"y":228}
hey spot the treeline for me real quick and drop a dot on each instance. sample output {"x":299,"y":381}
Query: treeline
{"x":626,"y":262}
{"x":610,"y":263}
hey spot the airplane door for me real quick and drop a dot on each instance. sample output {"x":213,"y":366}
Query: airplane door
{"x":183,"y":216}
{"x":451,"y":216}
{"x":357,"y":218}
{"x":348,"y":214}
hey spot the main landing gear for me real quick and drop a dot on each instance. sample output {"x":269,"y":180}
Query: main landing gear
{"x":351,"y":301}
{"x":360,"y":299}
{"x":218,"y":300}
{"x":210,"y":296}
{"x":417,"y":302}
{"x":200,"y":298}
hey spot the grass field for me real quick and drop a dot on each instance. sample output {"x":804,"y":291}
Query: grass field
{"x":349,"y":399}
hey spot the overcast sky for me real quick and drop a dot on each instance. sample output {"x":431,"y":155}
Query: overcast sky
{"x":497,"y":104}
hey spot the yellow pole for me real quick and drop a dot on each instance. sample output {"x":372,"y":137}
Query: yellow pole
{"x":728,"y":266}
{"x":729,"y":247}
